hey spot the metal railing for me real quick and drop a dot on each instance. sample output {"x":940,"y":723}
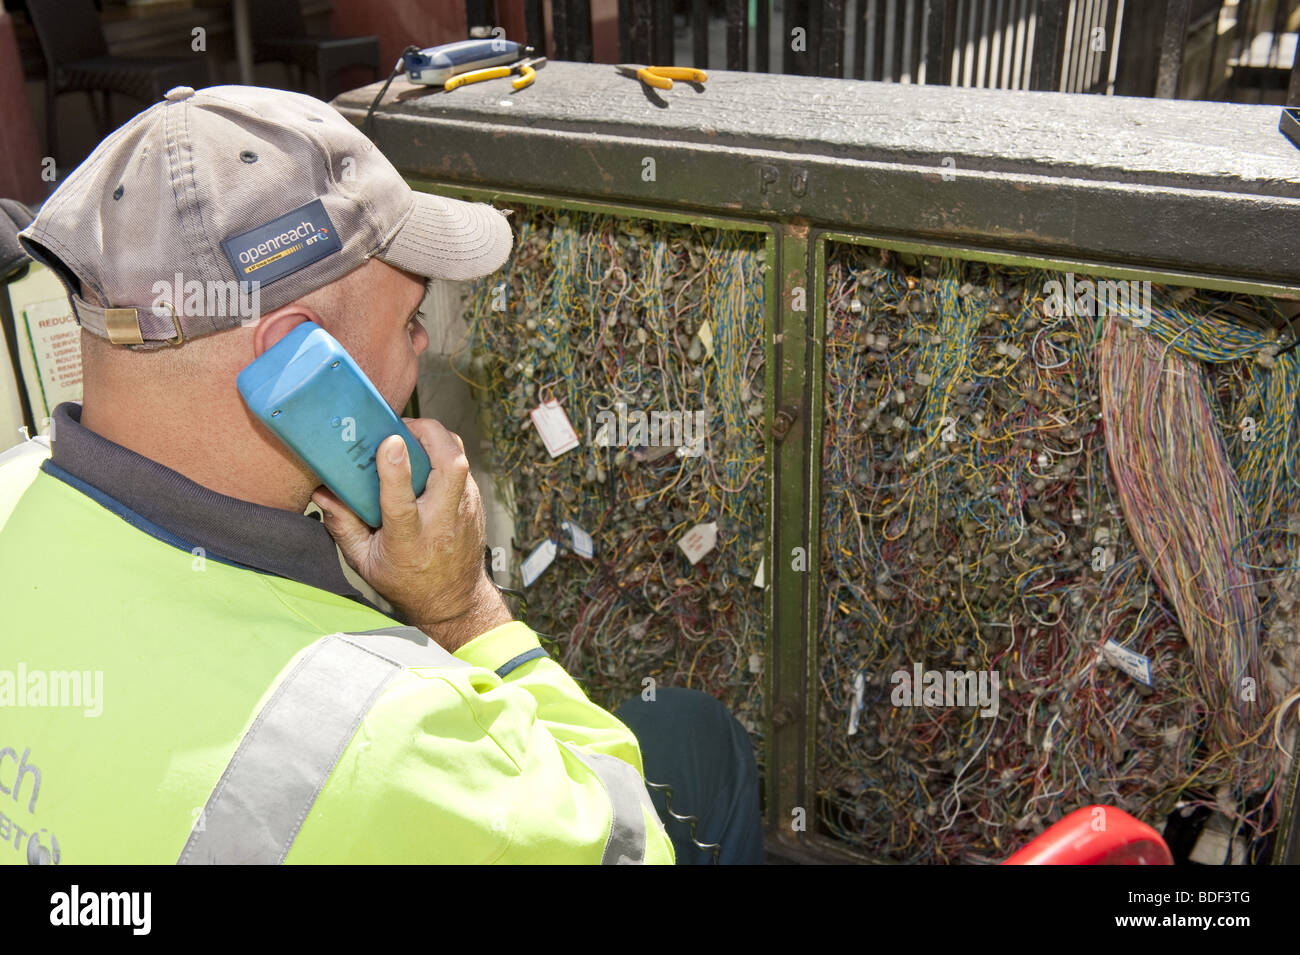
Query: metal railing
{"x":1120,"y":47}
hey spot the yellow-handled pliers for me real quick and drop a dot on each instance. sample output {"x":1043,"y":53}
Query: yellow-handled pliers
{"x":525,"y":68}
{"x":661,"y":77}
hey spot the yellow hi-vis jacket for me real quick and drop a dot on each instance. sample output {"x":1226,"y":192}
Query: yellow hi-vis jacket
{"x":158,"y":705}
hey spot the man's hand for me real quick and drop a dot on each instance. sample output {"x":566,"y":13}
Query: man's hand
{"x":427,"y":558}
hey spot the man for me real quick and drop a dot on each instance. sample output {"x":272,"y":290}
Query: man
{"x":211,"y":687}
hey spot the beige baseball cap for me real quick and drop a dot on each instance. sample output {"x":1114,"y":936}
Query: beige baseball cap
{"x":178,"y":212}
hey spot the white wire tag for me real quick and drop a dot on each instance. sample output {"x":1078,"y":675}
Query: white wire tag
{"x":538,"y":560}
{"x":1130,"y":661}
{"x":859,"y":684}
{"x":706,"y":337}
{"x":582,"y":542}
{"x":554,"y":427}
{"x":699,"y":540}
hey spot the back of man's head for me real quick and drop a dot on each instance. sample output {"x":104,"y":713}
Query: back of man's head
{"x":214,"y":207}
{"x":207,"y":226}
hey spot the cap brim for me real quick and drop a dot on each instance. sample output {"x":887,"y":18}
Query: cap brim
{"x":450,"y":239}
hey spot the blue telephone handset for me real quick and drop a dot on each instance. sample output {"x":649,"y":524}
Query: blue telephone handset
{"x":307,"y":389}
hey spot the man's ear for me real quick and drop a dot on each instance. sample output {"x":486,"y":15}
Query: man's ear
{"x":275,"y":325}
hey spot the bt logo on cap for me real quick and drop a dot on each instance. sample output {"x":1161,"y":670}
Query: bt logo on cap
{"x":282,"y":247}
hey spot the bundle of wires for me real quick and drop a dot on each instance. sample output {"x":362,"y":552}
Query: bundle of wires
{"x":613,"y":317}
{"x":971,"y":524}
{"x":1184,"y":510}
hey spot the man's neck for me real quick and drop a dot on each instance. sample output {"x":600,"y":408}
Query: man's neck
{"x":224,"y":453}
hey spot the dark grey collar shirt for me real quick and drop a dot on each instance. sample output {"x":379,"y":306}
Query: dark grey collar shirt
{"x":175,"y":509}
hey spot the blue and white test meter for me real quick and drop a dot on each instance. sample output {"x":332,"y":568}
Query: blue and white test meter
{"x":437,"y":64}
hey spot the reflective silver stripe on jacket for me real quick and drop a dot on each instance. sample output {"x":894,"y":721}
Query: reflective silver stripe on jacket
{"x":627,"y":794}
{"x":271,"y":783}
